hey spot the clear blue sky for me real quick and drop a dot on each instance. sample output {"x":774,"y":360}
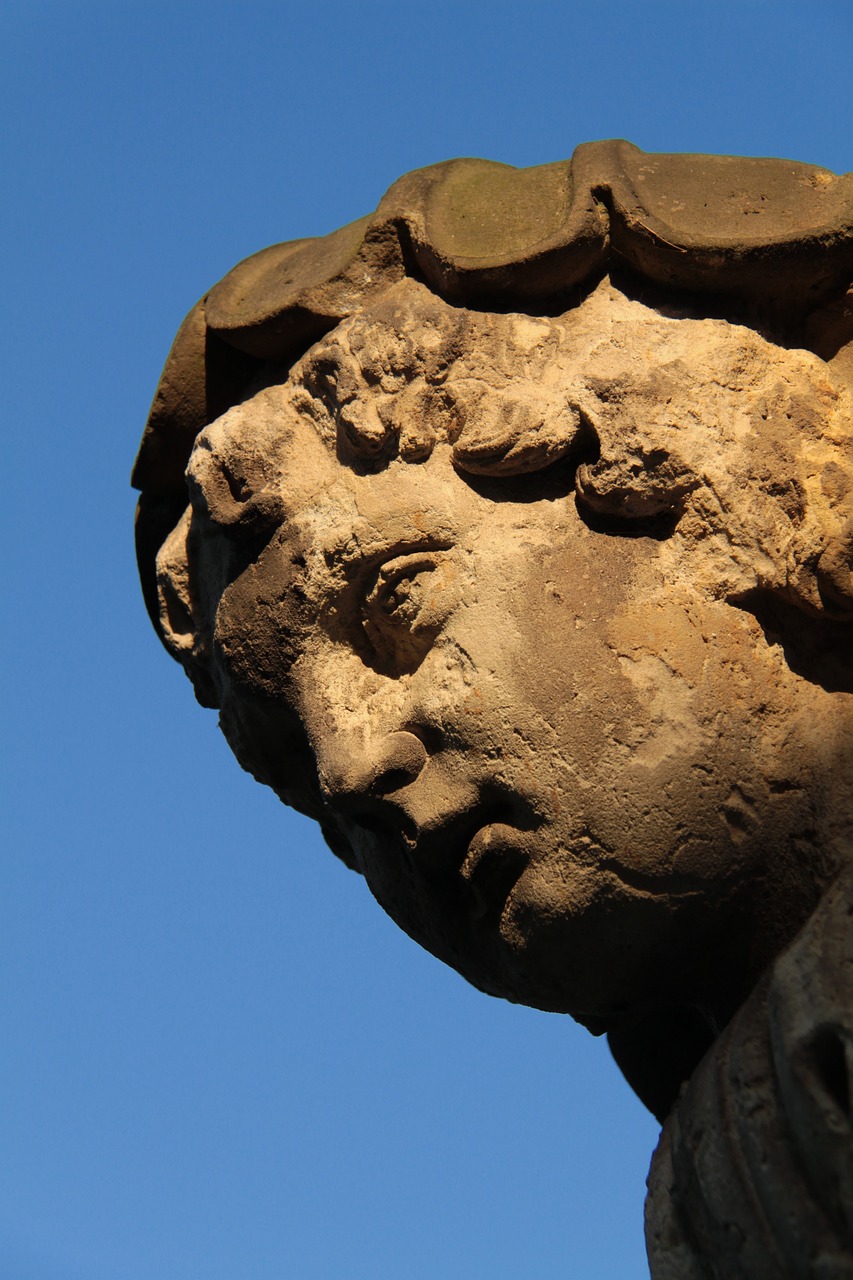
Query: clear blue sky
{"x":220,"y":1061}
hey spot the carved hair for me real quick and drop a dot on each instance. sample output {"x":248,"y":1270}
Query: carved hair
{"x":764,"y":243}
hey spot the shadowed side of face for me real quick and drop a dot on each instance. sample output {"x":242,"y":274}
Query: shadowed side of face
{"x":562,"y":758}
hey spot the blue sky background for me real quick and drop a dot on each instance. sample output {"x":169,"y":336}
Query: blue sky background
{"x":220,"y":1061}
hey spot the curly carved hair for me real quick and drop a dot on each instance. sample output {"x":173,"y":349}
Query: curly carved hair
{"x":765,"y":244}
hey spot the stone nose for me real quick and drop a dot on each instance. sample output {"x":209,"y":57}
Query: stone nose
{"x":393,"y":762}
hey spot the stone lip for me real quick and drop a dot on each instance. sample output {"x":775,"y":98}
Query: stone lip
{"x":495,"y":858}
{"x":771,"y":238}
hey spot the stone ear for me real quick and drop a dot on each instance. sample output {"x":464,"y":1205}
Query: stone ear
{"x":177,"y":621}
{"x":177,"y":612}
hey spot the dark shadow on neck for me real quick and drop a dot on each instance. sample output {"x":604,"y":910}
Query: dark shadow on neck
{"x":657,"y":1054}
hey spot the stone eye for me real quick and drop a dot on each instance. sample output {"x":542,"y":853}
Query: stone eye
{"x":405,"y":588}
{"x":409,"y":602}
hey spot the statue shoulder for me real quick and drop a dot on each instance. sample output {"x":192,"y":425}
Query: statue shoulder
{"x":753,"y":1176}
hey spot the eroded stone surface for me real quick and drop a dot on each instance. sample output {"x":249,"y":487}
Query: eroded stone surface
{"x":545,"y":616}
{"x":752,"y":1196}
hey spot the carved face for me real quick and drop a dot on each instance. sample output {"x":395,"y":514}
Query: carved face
{"x":560,"y":764}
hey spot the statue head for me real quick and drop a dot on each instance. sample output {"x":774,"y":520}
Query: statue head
{"x":527,"y":572}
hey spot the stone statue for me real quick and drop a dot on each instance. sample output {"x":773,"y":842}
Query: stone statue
{"x":510,"y":529}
